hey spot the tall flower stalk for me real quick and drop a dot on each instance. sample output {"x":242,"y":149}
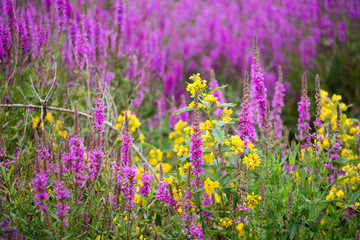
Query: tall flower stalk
{"x":40,"y":180}
{"x":304,"y":114}
{"x":164,"y":194}
{"x":74,"y":159}
{"x":246,"y":124}
{"x":196,"y":142}
{"x":258,"y":85}
{"x":278,"y":104}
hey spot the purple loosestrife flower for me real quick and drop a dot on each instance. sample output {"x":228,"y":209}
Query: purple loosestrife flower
{"x":164,"y":195}
{"x":60,"y":5}
{"x":196,"y":158}
{"x":10,"y":10}
{"x":77,"y":150}
{"x":127,"y":142}
{"x":246,"y":124}
{"x":40,"y":182}
{"x":96,"y":162}
{"x":195,"y":229}
{"x":317,"y":122}
{"x":23,"y":34}
{"x":146,"y":181}
{"x":242,"y":207}
{"x":74,"y":154}
{"x":61,"y":194}
{"x":336,"y":148}
{"x":206,"y":202}
{"x":40,"y":179}
{"x":6,"y":44}
{"x":99,"y":115}
{"x":119,"y":15}
{"x":278,"y":103}
{"x":257,"y":82}
{"x":43,"y":156}
{"x":129,"y":174}
{"x":304,"y":114}
{"x":196,"y":151}
{"x":41,"y":38}
{"x":82,"y":47}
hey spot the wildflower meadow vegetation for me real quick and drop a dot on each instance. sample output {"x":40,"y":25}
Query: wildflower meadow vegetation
{"x":162,"y":119}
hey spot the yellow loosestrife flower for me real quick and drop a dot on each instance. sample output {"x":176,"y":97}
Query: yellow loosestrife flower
{"x":226,"y":115}
{"x":197,"y":84}
{"x":252,"y":200}
{"x":209,"y":186}
{"x":225,"y":222}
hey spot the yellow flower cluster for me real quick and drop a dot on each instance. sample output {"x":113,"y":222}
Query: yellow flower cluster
{"x":155,"y":156}
{"x":252,"y":200}
{"x":183,"y":169}
{"x":177,"y":135}
{"x":142,"y":138}
{"x":207,"y":125}
{"x":208,"y":158}
{"x":349,"y":129}
{"x":181,"y":150}
{"x":170,"y":180}
{"x":208,"y":140}
{"x":240,"y":229}
{"x":166,"y":167}
{"x":226,"y":115}
{"x":197,"y":84}
{"x":351,"y":170}
{"x":225,"y":222}
{"x":335,"y":193}
{"x":189,"y":130}
{"x":236,"y":144}
{"x":58,"y":125}
{"x":50,"y":119}
{"x":349,"y":136}
{"x":209,"y":186}
{"x":134,"y":122}
{"x":200,"y":105}
{"x":35,"y":121}
{"x":211,"y":98}
{"x":252,"y":160}
{"x":310,"y":150}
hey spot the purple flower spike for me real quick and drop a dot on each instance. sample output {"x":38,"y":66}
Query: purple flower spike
{"x":246,"y":124}
{"x":304,"y":114}
{"x":278,"y":103}
{"x":258,"y":85}
{"x":146,"y":180}
{"x":61,"y":194}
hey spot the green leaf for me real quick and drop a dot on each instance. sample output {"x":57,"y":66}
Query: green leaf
{"x":292,"y":157}
{"x":218,"y":133}
{"x":292,"y":231}
{"x":223,"y":105}
{"x":353,"y":199}
{"x":9,"y":173}
{"x":346,"y":177}
{"x":333,"y":201}
{"x":218,"y":88}
{"x":340,"y":161}
{"x":185,"y":109}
